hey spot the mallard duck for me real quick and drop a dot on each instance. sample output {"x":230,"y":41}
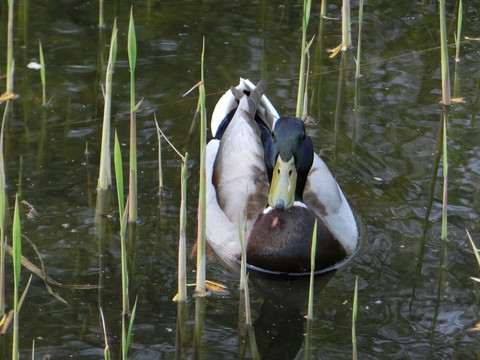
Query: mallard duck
{"x":263,"y":176}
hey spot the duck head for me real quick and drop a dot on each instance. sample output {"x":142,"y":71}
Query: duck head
{"x":288,"y":159}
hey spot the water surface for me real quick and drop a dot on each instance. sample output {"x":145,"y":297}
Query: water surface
{"x":384,"y":153}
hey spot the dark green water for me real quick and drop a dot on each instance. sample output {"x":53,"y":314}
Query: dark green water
{"x":384,"y":155}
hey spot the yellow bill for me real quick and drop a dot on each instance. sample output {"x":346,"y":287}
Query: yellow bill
{"x":283,"y":185}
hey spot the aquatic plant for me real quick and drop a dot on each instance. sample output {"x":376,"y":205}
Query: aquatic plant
{"x":354,"y":320}
{"x":17,"y":267}
{"x":446,"y":97}
{"x":117,"y":161}
{"x":346,"y":25}
{"x":132,"y":59}
{"x":106,"y":349}
{"x":42,"y":73}
{"x":242,"y":234}
{"x":248,"y":323}
{"x":301,"y":75}
{"x":3,"y":207}
{"x":312,"y":271}
{"x":200,"y":287}
{"x":101,"y":22}
{"x":126,"y":334}
{"x":105,"y":172}
{"x":160,"y":171}
{"x":308,"y":334}
{"x":182,"y":238}
{"x":359,"y":41}
{"x":445,"y":172}
{"x":458,"y":34}
{"x":323,"y":9}
{"x":10,"y":60}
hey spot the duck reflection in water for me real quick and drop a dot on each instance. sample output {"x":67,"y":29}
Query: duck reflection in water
{"x":280,"y":326}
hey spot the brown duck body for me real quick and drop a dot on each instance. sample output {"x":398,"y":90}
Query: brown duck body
{"x":282,"y":241}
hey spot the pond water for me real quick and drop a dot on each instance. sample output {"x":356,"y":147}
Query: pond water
{"x":382,"y":142}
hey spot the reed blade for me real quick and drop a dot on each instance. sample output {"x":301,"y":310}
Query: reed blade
{"x":10,"y":60}
{"x":3,"y":207}
{"x":346,"y":26}
{"x":445,"y":174}
{"x":359,"y":42}
{"x":354,"y":320}
{"x":182,"y":241}
{"x":117,"y":160}
{"x":312,"y":271}
{"x":202,"y":197}
{"x":105,"y":172}
{"x":132,"y":60}
{"x":42,"y":73}
{"x":446,"y":95}
{"x":101,"y":22}
{"x":106,"y":350}
{"x":458,"y":35}
{"x":301,"y":75}
{"x":17,"y":267}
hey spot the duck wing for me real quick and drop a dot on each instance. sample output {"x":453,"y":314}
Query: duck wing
{"x":323,"y":195}
{"x":239,"y":173}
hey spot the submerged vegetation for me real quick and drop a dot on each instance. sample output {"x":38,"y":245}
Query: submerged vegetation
{"x":127,"y":250}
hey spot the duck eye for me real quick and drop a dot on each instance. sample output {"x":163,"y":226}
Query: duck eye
{"x":289,"y":172}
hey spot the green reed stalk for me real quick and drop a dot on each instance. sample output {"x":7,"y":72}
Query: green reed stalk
{"x":359,"y":44}
{"x":10,"y":61}
{"x":475,"y":249}
{"x":182,"y":240}
{"x":246,"y":293}
{"x":3,"y":207}
{"x":323,"y":9}
{"x":445,"y":174}
{"x":42,"y":73}
{"x":248,"y":322}
{"x":346,"y":25}
{"x":312,"y":272}
{"x":354,"y":320}
{"x":459,"y":31}
{"x":17,"y":267}
{"x":308,"y":334}
{"x":199,"y":324}
{"x":160,"y":171}
{"x":130,"y":327}
{"x":123,"y":246}
{"x":308,"y":340}
{"x":101,"y":22}
{"x":117,"y":160}
{"x":105,"y":173}
{"x":180,"y":332}
{"x":243,"y":265}
{"x":301,"y":75}
{"x":202,"y":196}
{"x":132,"y":60}
{"x":446,"y":97}
{"x":106,"y":349}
